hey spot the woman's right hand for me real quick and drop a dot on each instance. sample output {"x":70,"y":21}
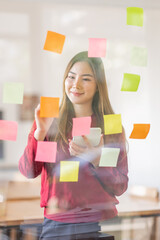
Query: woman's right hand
{"x":43,"y":125}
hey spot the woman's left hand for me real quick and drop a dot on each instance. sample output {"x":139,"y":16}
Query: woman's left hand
{"x":76,"y":150}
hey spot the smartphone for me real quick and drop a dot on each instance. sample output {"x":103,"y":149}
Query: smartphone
{"x":94,"y":138}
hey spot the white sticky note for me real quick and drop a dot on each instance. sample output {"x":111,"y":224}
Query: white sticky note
{"x":109,"y":157}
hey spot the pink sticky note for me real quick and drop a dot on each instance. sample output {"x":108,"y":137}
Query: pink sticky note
{"x":81,"y":126}
{"x":8,"y":130}
{"x":46,"y":152}
{"x":97,"y":47}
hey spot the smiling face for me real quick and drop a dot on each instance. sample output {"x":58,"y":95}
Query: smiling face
{"x":80,"y":84}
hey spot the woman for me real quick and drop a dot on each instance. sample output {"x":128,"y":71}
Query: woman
{"x":77,"y":207}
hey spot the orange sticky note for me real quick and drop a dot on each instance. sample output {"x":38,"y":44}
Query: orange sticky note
{"x":97,"y":47}
{"x":54,"y":42}
{"x":46,"y":151}
{"x":49,"y":107}
{"x":8,"y":130}
{"x":81,"y":126}
{"x":140,"y":131}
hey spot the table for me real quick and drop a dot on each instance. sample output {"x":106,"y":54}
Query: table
{"x":20,"y":212}
{"x":132,"y":207}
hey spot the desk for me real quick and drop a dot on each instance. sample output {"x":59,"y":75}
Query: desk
{"x":135,"y":207}
{"x":29,"y":212}
{"x":132,"y":207}
{"x":22,"y":211}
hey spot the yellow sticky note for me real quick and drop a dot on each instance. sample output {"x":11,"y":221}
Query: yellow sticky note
{"x":69,"y":171}
{"x":112,"y":124}
{"x":135,"y":16}
{"x":130,"y":82}
{"x":54,"y":42}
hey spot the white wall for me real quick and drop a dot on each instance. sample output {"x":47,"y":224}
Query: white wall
{"x":44,"y":70}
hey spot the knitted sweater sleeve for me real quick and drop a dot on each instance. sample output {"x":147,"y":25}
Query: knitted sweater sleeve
{"x":27,"y":164}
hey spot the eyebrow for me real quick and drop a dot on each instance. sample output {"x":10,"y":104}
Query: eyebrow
{"x":89,"y":75}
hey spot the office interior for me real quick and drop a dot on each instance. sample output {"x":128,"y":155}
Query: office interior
{"x":23,"y":28}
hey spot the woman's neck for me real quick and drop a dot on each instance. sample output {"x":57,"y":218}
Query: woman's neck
{"x":83,"y":111}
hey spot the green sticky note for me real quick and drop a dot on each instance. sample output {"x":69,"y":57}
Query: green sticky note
{"x":130,"y":82}
{"x":109,"y":157}
{"x":139,"y":56}
{"x":13,"y":92}
{"x":69,"y":171}
{"x":135,"y":16}
{"x":112,"y":124}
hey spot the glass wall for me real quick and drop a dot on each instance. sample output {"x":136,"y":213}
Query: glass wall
{"x":23,"y":30}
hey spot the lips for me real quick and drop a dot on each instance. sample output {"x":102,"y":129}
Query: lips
{"x":77,"y":94}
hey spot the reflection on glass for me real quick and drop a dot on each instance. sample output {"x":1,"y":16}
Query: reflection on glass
{"x":77,"y":206}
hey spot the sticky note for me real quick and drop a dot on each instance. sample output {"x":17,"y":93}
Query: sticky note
{"x":81,"y":126}
{"x":8,"y":130}
{"x":139,"y":56}
{"x":46,"y":151}
{"x":140,"y":131}
{"x":135,"y":16}
{"x":112,"y":124}
{"x":69,"y":171}
{"x":97,"y":47}
{"x":13,"y":92}
{"x":130,"y":82}
{"x":109,"y":157}
{"x":49,"y":107}
{"x":54,"y":42}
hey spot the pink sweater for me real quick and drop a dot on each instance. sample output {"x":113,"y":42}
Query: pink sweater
{"x":92,"y":198}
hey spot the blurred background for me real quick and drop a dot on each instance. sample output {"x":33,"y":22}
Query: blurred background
{"x":23,"y":28}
